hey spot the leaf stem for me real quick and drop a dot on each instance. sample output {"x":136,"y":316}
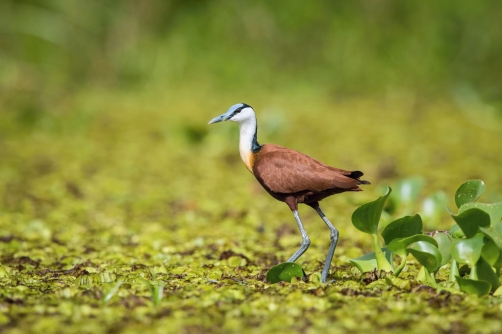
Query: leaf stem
{"x":401,"y":266}
{"x":453,"y":270}
{"x":382,"y":262}
{"x":474,"y":273}
{"x":421,"y":276}
{"x":430,"y":278}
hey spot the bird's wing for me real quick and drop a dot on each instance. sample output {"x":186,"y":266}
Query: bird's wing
{"x":288,"y":171}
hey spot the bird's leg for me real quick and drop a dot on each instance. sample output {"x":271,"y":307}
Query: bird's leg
{"x":305,"y":239}
{"x":334,"y":240}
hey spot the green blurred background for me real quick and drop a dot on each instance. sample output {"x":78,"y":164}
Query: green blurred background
{"x":123,"y":90}
{"x":107,"y":163}
{"x":436,"y":49}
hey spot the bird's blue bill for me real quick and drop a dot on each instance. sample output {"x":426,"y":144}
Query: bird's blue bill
{"x":220,"y":118}
{"x":217,"y":119}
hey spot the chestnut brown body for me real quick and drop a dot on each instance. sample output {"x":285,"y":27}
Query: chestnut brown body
{"x":293,"y":177}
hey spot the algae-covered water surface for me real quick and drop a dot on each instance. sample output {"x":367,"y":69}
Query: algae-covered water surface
{"x":146,"y":220}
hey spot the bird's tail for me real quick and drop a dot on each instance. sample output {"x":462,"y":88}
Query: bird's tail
{"x":356,"y":175}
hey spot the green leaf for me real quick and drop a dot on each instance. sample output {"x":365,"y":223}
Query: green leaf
{"x":493,"y":210}
{"x":427,"y":254}
{"x":284,"y":272}
{"x":399,"y":246}
{"x":402,"y":228}
{"x":469,"y":192}
{"x":485,"y":273}
{"x":494,"y":233}
{"x":368,"y":262}
{"x":433,"y":206}
{"x":498,"y":292}
{"x":470,"y":220}
{"x":474,"y":287}
{"x":456,"y":232}
{"x":407,"y":190}
{"x":366,"y":217}
{"x":236,"y":261}
{"x":421,"y":276}
{"x":468,"y":251}
{"x":492,"y":254}
{"x":444,"y":245}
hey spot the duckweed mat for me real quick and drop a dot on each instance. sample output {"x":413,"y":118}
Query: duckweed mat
{"x":127,"y":217}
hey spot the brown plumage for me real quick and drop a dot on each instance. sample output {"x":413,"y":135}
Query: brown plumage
{"x":291,"y":176}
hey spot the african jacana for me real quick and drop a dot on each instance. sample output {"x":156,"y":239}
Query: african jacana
{"x":290,"y":176}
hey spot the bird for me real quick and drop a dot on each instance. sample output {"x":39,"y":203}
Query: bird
{"x":290,"y":176}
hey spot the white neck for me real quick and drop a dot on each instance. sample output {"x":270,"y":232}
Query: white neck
{"x":247,"y":130}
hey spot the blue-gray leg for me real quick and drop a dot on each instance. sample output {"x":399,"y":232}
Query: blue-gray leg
{"x":333,"y":234}
{"x":305,"y":239}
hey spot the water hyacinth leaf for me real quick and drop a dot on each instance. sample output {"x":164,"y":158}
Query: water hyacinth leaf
{"x":427,"y":254}
{"x":368,"y":262}
{"x":284,"y":272}
{"x":492,"y":254}
{"x":493,"y":210}
{"x":468,"y":251}
{"x":485,"y":273}
{"x":494,"y":233}
{"x":421,"y":276}
{"x":366,"y":217}
{"x":444,"y":245}
{"x":474,"y":287}
{"x":433,"y":206}
{"x":399,"y":246}
{"x":471,"y":220}
{"x":407,"y":190}
{"x":402,"y":228}
{"x":469,"y":192}
{"x":498,"y":292}
{"x":456,"y":232}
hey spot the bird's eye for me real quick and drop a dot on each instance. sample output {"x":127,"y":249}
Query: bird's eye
{"x":236,"y":111}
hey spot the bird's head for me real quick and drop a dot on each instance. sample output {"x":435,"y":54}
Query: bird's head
{"x":239,"y":113}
